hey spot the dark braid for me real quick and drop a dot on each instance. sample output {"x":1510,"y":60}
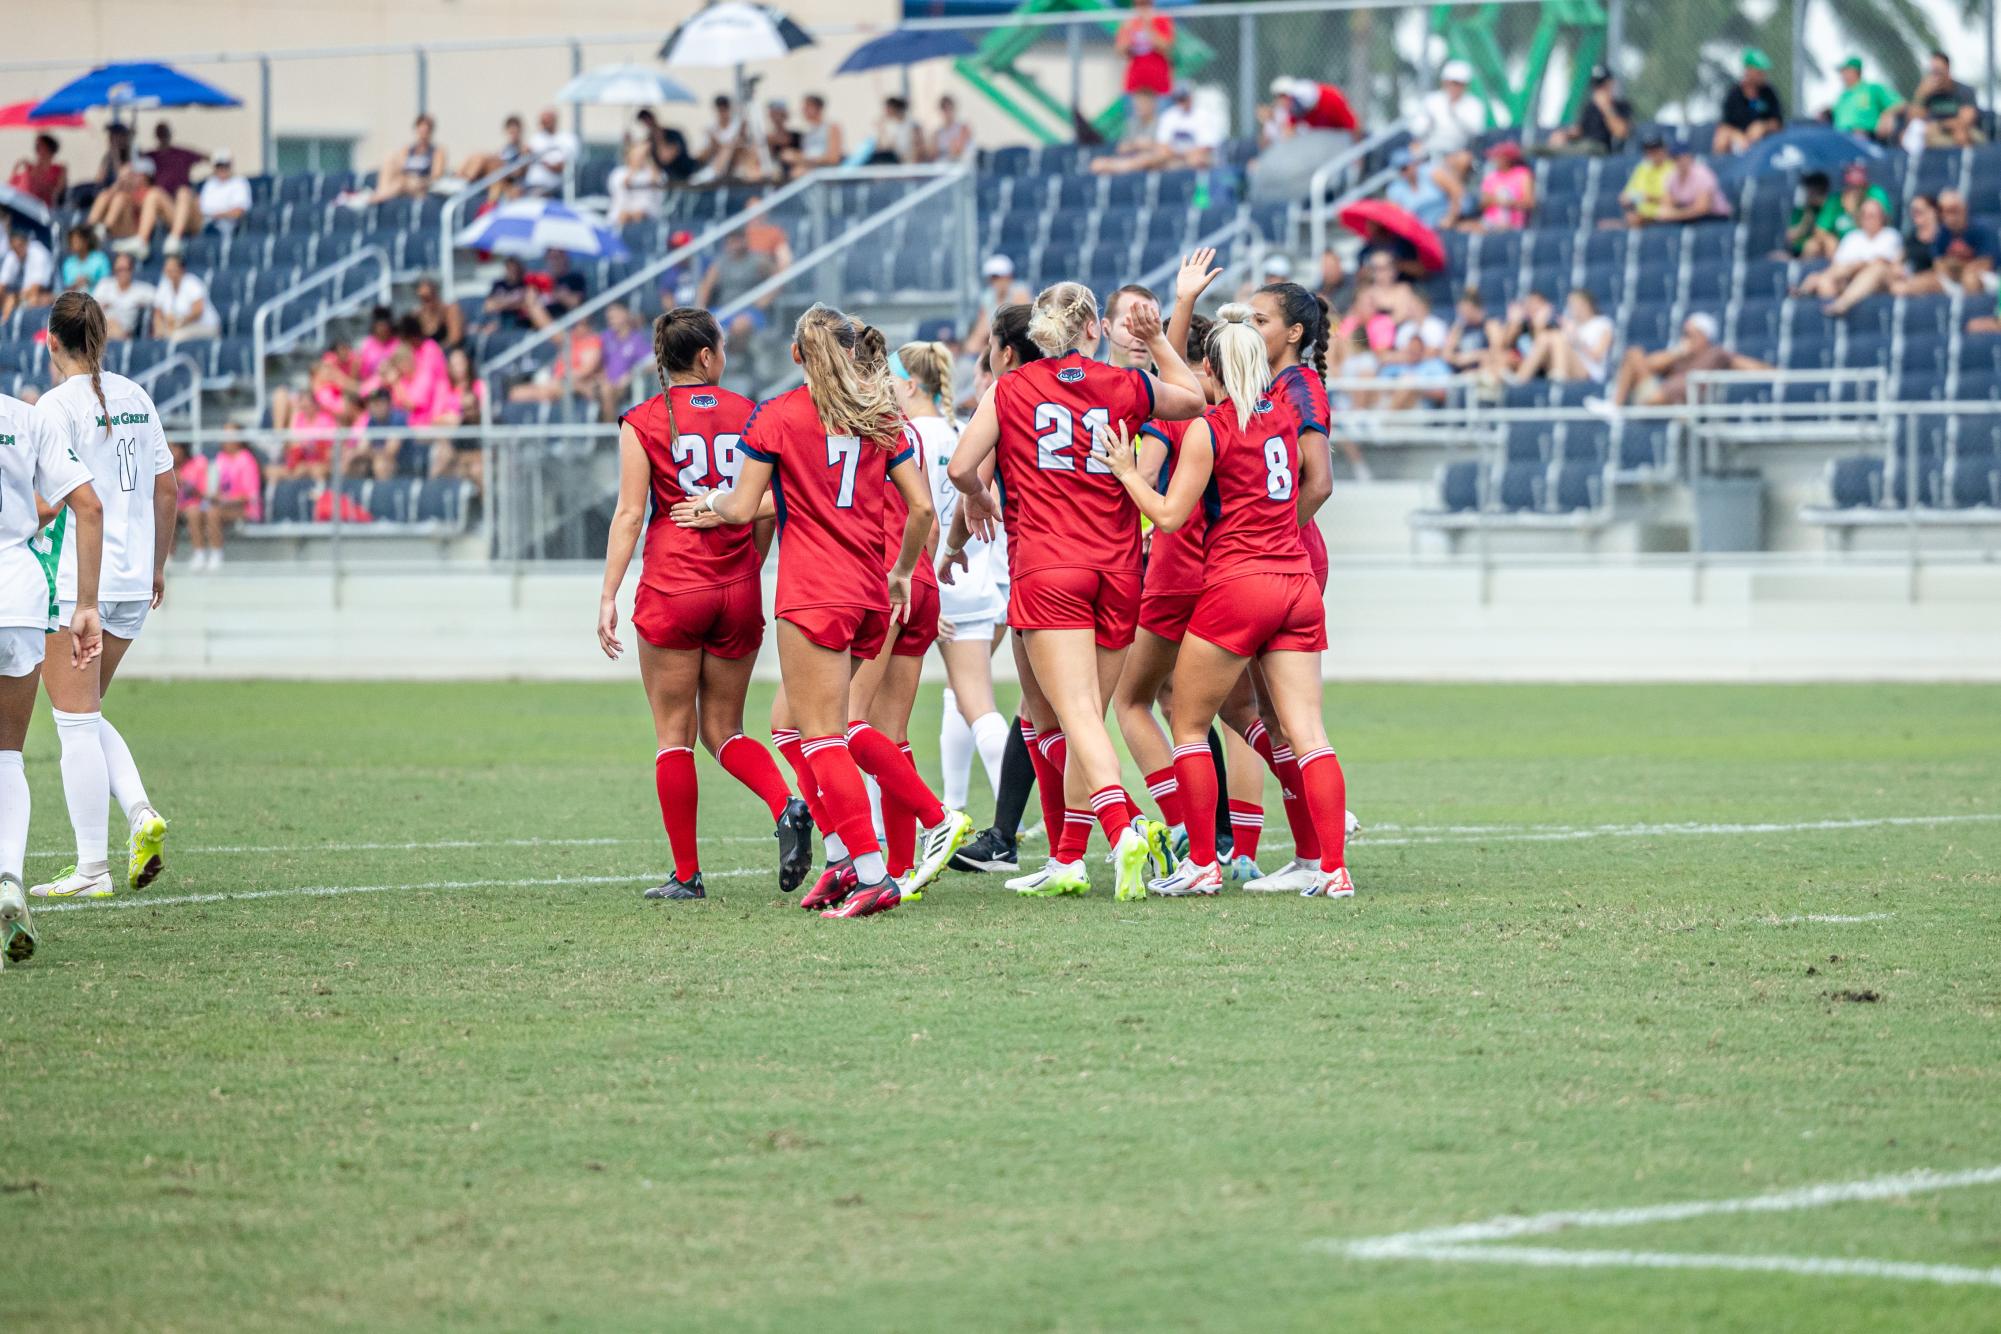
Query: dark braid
{"x":76,"y":324}
{"x":1322,"y":336}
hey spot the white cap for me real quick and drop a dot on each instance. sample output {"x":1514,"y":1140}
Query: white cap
{"x":223,"y":158}
{"x":1703,"y":323}
{"x":1277,"y":266}
{"x":1456,"y":71}
{"x":998,"y":266}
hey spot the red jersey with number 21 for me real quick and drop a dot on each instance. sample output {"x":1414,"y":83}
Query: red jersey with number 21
{"x":830,"y":491}
{"x":1062,"y":508}
{"x":703,"y":457}
{"x":1254,"y":494}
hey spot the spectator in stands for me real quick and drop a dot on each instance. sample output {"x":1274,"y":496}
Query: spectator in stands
{"x":510,"y":303}
{"x":1751,"y":109}
{"x":1146,"y":40}
{"x":1814,"y":189}
{"x":567,"y":288}
{"x":1672,"y":189}
{"x":728,"y":151}
{"x":1604,"y":122}
{"x":1448,"y":122}
{"x":27,"y":273}
{"x":638,"y":187}
{"x":1867,"y":261}
{"x":412,"y":170}
{"x":1865,"y":109}
{"x":326,"y":411}
{"x":678,"y":281}
{"x":85,"y":266}
{"x":1403,"y":257}
{"x":124,"y":301}
{"x":1382,"y":301}
{"x":1507,"y":191}
{"x":427,"y":370}
{"x":219,"y":493}
{"x":221,"y":205}
{"x":1337,"y":285}
{"x":668,"y":146}
{"x":578,"y":370}
{"x":1658,"y":379}
{"x":820,"y":142}
{"x":459,"y":455}
{"x":511,"y":153}
{"x":1986,"y":324}
{"x":1416,"y":352}
{"x":736,"y":271}
{"x":442,"y":322}
{"x":376,"y":452}
{"x":1002,"y":289}
{"x":117,"y":154}
{"x":1515,"y":334}
{"x":181,"y":306}
{"x":1577,"y":348}
{"x":173,"y":166}
{"x":1413,"y":190}
{"x":898,"y":139}
{"x":1466,"y":345}
{"x":1944,"y":113}
{"x":628,"y":356}
{"x":41,"y":175}
{"x":1277,"y":268}
{"x":1139,"y":139}
{"x":376,"y":344}
{"x":1308,"y":102}
{"x":779,"y":139}
{"x":952,"y":141}
{"x":1839,"y":213}
{"x":116,"y":211}
{"x":1921,"y":236}
{"x":1959,"y":256}
{"x":1190,"y":138}
{"x":551,"y":151}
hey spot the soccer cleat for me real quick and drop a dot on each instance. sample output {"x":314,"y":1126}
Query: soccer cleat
{"x":1190,"y":880}
{"x":867,"y":900}
{"x":17,"y":926}
{"x":1161,"y":852}
{"x":1180,"y":834}
{"x":72,"y":884}
{"x":1034,"y":831}
{"x":1290,"y":878}
{"x":1131,"y":858}
{"x":148,"y":843}
{"x":1354,"y":825}
{"x":795,"y":845}
{"x":1054,"y":880}
{"x":1242,"y":870}
{"x":835,"y":883}
{"x":1334,"y":884}
{"x":991,"y":851}
{"x":691,"y":888}
{"x":935,"y":847}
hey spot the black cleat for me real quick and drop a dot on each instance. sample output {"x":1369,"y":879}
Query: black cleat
{"x":991,"y":851}
{"x":795,"y":845}
{"x":690,"y":888}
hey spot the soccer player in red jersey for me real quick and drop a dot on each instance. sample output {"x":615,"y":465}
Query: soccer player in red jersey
{"x":829,"y":452}
{"x":700,"y":607}
{"x":1074,"y":554}
{"x":1258,"y":601}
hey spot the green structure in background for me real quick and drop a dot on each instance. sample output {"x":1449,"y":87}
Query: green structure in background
{"x":1469,"y":33}
{"x":1049,"y":118}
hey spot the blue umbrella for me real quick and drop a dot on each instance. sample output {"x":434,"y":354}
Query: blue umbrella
{"x":907,"y":46}
{"x":1801,"y":148}
{"x":133,"y":87}
{"x":526,"y":228}
{"x":19,"y":208}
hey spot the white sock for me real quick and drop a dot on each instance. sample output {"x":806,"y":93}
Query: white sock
{"x":86,"y":788}
{"x":214,"y":557}
{"x":874,"y":805}
{"x":955,"y":753}
{"x":990,"y":739}
{"x":837,"y":851}
{"x":124,"y":774}
{"x":869,"y":868}
{"x":13,"y":813}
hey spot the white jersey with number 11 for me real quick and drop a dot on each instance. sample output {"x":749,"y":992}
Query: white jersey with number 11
{"x":124,"y":449}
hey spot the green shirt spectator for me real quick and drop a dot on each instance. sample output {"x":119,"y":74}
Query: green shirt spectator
{"x":1862,"y":104}
{"x":1837,"y":215}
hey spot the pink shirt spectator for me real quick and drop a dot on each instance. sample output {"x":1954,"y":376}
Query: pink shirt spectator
{"x":373,"y":352}
{"x":1512,"y":184}
{"x":1686,"y":185}
{"x":239,"y":478}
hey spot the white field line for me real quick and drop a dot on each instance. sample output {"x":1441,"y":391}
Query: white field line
{"x":1466,"y":1242}
{"x":1837,"y":918}
{"x":1559,"y":834}
{"x":330,"y":891}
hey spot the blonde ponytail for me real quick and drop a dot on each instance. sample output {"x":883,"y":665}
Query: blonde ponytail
{"x":1237,"y":356}
{"x":930,"y":368}
{"x":847,"y":375}
{"x":1059,"y":317}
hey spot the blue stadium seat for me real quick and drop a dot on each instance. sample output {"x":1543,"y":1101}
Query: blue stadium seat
{"x":1175,"y":189}
{"x":443,"y":500}
{"x":1605,"y":248}
{"x":291,"y":501}
{"x":1660,"y":247}
{"x":1534,"y":394}
{"x":1459,"y":487}
{"x":1985,"y":180}
{"x":395,"y":500}
{"x":1711,"y":284}
{"x":1865,"y":350}
{"x":1642,"y":446}
{"x":1522,"y":486}
{"x":1607,"y":285}
{"x":1766,"y":280}
{"x":1579,"y":486}
{"x":1974,"y":482}
{"x":1530,"y":442}
{"x":1650,"y":326}
{"x":1938,"y":169}
{"x":1855,"y":482}
{"x":1712,"y":243}
{"x":1586,"y":442}
{"x":1498,"y":251}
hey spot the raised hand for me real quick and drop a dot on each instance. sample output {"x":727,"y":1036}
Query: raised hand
{"x":1143,"y":322}
{"x":1197,"y":271}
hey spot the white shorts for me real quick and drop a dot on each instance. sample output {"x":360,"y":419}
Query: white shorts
{"x":973,"y":632}
{"x":21,"y":648}
{"x":124,"y":619}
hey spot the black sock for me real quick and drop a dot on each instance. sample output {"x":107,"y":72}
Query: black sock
{"x":1017,"y":781}
{"x":1223,"y":838}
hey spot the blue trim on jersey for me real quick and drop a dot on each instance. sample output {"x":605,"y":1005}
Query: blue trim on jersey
{"x":1146,"y":383}
{"x":1299,"y":397}
{"x":778,"y":499}
{"x":1212,"y":500}
{"x":905,"y":457}
{"x":757,"y":454}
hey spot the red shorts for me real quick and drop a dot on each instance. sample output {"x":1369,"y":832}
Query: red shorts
{"x":1262,"y":614}
{"x":1077,"y":597}
{"x":859,"y":631}
{"x":920,"y":622}
{"x":1166,"y":614}
{"x":727,"y":621}
{"x":1320,"y":577}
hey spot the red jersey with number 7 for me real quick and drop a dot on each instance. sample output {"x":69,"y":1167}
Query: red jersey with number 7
{"x":702,"y":457}
{"x":831,"y":494}
{"x":1062,"y":507}
{"x":1302,"y":389}
{"x":1253,"y":494}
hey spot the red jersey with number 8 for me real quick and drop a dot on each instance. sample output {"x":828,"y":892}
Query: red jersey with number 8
{"x":1302,"y":389}
{"x":702,"y":457}
{"x":831,"y":494}
{"x":1062,"y":508}
{"x":1253,"y":495}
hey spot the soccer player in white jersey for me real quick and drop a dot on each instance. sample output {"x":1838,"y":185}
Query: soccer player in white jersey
{"x":34,"y":462}
{"x":113,"y":427}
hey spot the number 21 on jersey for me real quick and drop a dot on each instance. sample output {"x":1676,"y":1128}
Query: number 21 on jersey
{"x":1056,"y":432}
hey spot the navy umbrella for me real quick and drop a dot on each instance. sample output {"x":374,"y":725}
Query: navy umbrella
{"x":135,"y":87}
{"x":907,"y":46}
{"x":1801,"y":148}
{"x":19,"y":208}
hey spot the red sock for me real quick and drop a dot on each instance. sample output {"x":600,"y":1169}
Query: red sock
{"x":843,"y":792}
{"x":752,"y":765}
{"x":1247,"y":824}
{"x":899,"y":830}
{"x":1166,"y":789}
{"x":1048,"y":786}
{"x":1073,"y":836}
{"x":674,"y":780}
{"x":792,"y":749}
{"x":1327,"y":794}
{"x":1114,"y":811}
{"x":1305,"y":841}
{"x":894,"y":774}
{"x":1195,"y":767}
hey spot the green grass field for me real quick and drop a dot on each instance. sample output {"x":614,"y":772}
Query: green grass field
{"x":496,"y":1090}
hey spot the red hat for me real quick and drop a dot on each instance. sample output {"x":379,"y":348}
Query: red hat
{"x":679,"y":239}
{"x":1506,"y":151}
{"x":1855,"y":174}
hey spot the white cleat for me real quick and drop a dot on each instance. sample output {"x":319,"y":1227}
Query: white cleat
{"x":1334,"y":884}
{"x":935,"y":848}
{"x":74,"y":884}
{"x":1190,"y":881}
{"x":1294,"y":877}
{"x":17,"y":926}
{"x":1354,"y":825}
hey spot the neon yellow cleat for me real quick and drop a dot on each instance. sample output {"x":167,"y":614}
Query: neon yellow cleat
{"x":149,"y":849}
{"x":1054,"y":880}
{"x":1132,"y":858}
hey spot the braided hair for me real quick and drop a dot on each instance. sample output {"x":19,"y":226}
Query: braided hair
{"x":1310,"y":311}
{"x":76,"y":325}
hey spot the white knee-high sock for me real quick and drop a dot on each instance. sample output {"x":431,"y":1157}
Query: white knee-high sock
{"x":874,"y":804}
{"x":86,"y":787}
{"x":13,"y":813}
{"x":955,"y":753}
{"x":990,"y":738}
{"x":119,"y":767}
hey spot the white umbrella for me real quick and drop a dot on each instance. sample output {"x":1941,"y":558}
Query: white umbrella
{"x":526,"y":228}
{"x":623,"y":86}
{"x":733,"y":33}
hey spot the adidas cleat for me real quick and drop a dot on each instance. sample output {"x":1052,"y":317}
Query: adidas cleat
{"x":1334,"y":884}
{"x":678,"y":890}
{"x":1054,"y":880}
{"x":835,"y":883}
{"x":867,"y":900}
{"x":1131,"y":858}
{"x":1190,"y":881}
{"x":795,"y":845}
{"x":72,"y":884}
{"x":1291,"y":878}
{"x":1162,"y":854}
{"x":17,"y":926}
{"x":1241,"y":871}
{"x":935,"y":847}
{"x":148,"y":845}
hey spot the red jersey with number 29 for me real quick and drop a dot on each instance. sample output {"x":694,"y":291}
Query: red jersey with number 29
{"x":702,"y":457}
{"x":831,"y":495}
{"x":1061,"y":507}
{"x":1174,"y":560}
{"x":1254,"y":494}
{"x":1302,"y":389}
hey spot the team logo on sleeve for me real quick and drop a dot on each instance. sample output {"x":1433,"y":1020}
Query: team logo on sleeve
{"x":702,"y":401}
{"x":1071,"y":375}
{"x":1264,"y":405}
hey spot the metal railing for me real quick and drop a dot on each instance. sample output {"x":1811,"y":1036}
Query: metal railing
{"x":188,"y":398}
{"x":1344,"y":161}
{"x":1161,"y":277}
{"x":448,"y":219}
{"x":263,"y":342}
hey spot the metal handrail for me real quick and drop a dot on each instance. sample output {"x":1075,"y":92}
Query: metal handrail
{"x":264,"y":343}
{"x":1161,"y":277}
{"x":1316,"y":188}
{"x":448,"y":221}
{"x":190,"y":398}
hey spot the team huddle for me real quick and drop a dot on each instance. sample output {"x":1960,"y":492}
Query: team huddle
{"x":87,"y":508}
{"x":1211,"y":435}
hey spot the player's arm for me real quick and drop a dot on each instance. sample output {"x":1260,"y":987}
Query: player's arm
{"x":739,"y":504}
{"x":976,"y":444}
{"x":1184,"y":489}
{"x":1198,"y":270}
{"x":1177,"y":394}
{"x":628,"y":519}
{"x":909,"y":481}
{"x":166,"y":511}
{"x":86,"y":629}
{"x":1316,"y":474}
{"x":1151,"y":451}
